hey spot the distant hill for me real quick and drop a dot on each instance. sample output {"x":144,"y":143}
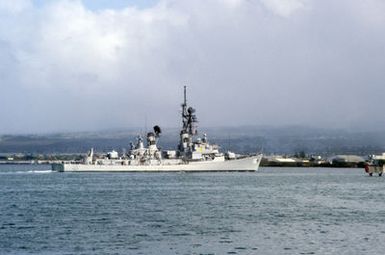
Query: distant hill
{"x":284,"y":140}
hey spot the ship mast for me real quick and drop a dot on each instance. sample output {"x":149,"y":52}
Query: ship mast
{"x":189,"y":121}
{"x":189,"y":118}
{"x":184,"y":110}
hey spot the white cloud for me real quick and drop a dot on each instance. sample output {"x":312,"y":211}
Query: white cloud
{"x":372,"y":12}
{"x":233,"y":3}
{"x":14,"y":6}
{"x":74,"y":43}
{"x":284,"y":8}
{"x":72,"y":68}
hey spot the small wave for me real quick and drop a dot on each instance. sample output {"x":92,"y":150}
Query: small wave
{"x":39,"y":171}
{"x":27,"y":172}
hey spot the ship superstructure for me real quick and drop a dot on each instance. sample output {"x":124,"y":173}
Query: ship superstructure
{"x":193,"y":153}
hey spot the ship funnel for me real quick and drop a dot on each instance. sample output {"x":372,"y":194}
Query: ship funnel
{"x":151,"y":140}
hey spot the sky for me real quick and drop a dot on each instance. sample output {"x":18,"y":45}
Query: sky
{"x":71,"y":65}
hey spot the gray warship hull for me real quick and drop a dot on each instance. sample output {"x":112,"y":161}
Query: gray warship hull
{"x":246,"y":164}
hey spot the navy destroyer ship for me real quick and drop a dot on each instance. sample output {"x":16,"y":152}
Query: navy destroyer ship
{"x":193,"y":154}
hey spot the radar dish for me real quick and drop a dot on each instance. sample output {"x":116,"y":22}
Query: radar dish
{"x":157,"y":130}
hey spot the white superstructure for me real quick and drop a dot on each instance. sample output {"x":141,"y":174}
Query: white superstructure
{"x":192,"y":154}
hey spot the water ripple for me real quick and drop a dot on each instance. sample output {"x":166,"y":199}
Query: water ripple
{"x":275,"y":211}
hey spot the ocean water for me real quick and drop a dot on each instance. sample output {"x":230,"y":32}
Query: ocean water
{"x":273,"y":211}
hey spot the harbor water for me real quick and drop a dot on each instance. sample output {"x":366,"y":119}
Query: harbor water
{"x":273,"y":211}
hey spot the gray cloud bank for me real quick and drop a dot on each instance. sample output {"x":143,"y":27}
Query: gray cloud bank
{"x":246,"y":62}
